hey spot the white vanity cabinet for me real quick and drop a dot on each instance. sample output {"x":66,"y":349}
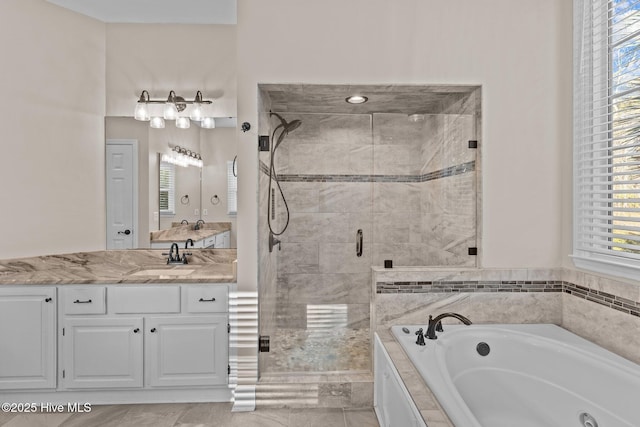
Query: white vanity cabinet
{"x":27,"y":337}
{"x":186,"y":351}
{"x":147,"y":336}
{"x":102,"y":352}
{"x":223,"y":240}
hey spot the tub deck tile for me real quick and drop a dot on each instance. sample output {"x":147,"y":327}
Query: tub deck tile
{"x":430,"y":410}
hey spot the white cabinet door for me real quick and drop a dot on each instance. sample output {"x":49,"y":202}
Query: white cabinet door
{"x":222,"y":240}
{"x":186,"y":351}
{"x":27,"y":338}
{"x":103,"y":352}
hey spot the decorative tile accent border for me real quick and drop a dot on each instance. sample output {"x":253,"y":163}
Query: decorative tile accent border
{"x":442,"y":173}
{"x":604,"y":298}
{"x":609,"y":300}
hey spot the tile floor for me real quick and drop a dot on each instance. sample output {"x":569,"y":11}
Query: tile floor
{"x":194,"y":415}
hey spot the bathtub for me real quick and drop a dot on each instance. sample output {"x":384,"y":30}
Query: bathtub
{"x":532,"y":376}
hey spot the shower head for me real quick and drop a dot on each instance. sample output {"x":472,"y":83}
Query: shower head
{"x":287,"y":127}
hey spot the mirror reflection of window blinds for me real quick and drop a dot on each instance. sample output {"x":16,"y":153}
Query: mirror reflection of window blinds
{"x":232,"y":189}
{"x":167,"y":188}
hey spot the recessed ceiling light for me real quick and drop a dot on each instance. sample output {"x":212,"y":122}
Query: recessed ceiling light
{"x":357,"y":99}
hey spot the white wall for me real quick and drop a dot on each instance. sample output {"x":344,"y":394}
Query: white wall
{"x":520,"y":52}
{"x":162,"y":57}
{"x":217,"y":147}
{"x":52,"y":120}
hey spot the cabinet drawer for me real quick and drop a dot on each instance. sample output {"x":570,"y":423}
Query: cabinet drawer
{"x":210,"y":242}
{"x":144,"y":299}
{"x":206,"y":299}
{"x":86,"y":300}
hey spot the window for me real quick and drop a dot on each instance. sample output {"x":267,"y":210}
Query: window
{"x":232,"y":187}
{"x":607,"y":136}
{"x":167,"y":188}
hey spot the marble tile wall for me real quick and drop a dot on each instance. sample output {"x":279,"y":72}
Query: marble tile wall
{"x":603,"y":310}
{"x":431,"y":221}
{"x":345,"y":172}
{"x":318,"y":270}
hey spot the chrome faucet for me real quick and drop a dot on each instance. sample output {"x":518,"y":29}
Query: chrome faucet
{"x":436,"y":325}
{"x":199,"y":224}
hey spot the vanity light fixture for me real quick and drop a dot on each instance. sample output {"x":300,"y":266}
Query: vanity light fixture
{"x":173,"y":107}
{"x":183,"y":122}
{"x":157,"y":122}
{"x":357,"y":99}
{"x":184,"y":157}
{"x":208,"y":123}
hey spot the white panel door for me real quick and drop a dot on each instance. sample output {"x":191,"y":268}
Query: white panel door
{"x":27,"y":338}
{"x":103,"y":352}
{"x":186,"y":351}
{"x":121,"y":172}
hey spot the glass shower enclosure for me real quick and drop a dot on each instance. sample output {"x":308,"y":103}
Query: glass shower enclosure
{"x":393,"y":179}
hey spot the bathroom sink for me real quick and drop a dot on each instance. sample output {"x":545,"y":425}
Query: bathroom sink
{"x":164,"y":272}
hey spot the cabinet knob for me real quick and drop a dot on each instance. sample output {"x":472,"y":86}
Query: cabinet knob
{"x":153,"y":329}
{"x":206,"y":300}
{"x":136,"y":330}
{"x":48,"y":299}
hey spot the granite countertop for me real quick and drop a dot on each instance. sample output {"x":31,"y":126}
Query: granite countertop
{"x":132,"y":266}
{"x":182,"y":232}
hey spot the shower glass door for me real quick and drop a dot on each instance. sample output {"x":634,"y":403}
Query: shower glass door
{"x":424,"y":203}
{"x":315,"y":288}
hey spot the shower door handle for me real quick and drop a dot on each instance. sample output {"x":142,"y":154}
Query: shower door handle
{"x":359,"y":242}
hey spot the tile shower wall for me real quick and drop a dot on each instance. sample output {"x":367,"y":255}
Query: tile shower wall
{"x":410,"y":186}
{"x":323,"y":293}
{"x":426,"y":214}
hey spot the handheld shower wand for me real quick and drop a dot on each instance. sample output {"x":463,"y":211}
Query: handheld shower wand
{"x":284,"y":127}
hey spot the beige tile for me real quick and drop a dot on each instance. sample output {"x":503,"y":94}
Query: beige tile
{"x":259,"y":418}
{"x":100,"y":416}
{"x":317,"y":418}
{"x":37,"y":420}
{"x":205,"y":413}
{"x":360,"y":418}
{"x":362,"y":394}
{"x":5,"y":417}
{"x":157,"y":415}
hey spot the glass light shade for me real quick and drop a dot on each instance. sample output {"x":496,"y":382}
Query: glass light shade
{"x":183,"y":123}
{"x":208,"y":123}
{"x":157,"y":123}
{"x":141,"y":112}
{"x":170,"y":111}
{"x":196,"y":112}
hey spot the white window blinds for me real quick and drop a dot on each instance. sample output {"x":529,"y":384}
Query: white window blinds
{"x":607,"y":135}
{"x":232,"y":187}
{"x":167,"y":188}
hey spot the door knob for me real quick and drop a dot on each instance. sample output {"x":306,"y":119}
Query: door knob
{"x":127,"y":232}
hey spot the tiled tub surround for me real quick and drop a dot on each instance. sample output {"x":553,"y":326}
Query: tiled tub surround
{"x":602,"y":310}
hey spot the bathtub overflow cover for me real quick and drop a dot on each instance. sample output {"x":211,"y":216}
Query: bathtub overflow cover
{"x":483,"y":348}
{"x":587,"y":420}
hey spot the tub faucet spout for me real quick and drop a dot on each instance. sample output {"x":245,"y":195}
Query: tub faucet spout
{"x":436,"y":325}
